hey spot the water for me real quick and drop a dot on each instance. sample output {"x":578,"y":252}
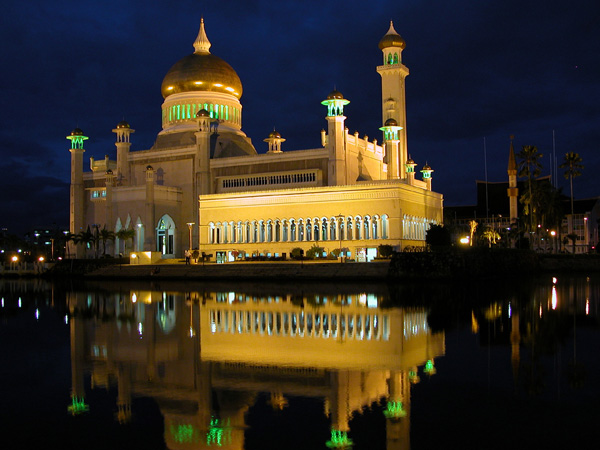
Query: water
{"x":266,"y":366}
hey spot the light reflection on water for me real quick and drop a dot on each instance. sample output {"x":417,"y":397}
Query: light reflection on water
{"x":259,"y":366}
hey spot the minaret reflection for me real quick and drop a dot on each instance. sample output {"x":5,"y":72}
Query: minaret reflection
{"x":204,"y":357}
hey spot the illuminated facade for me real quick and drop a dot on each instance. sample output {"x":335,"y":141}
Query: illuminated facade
{"x":204,"y":177}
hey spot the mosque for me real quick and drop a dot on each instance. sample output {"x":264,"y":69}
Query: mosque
{"x":203,"y":185}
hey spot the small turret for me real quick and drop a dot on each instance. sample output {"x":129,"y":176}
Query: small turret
{"x":274,"y":140}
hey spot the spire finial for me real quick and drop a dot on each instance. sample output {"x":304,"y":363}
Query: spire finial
{"x":202,"y":44}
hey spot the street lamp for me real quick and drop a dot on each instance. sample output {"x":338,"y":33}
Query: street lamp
{"x":190,"y":225}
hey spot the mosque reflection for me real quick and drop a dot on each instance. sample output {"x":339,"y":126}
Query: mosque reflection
{"x":205,"y":355}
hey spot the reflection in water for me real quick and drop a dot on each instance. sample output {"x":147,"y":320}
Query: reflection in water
{"x":227,"y":365}
{"x":204,"y":356}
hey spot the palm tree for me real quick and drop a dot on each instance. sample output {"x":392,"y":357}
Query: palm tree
{"x":106,"y":235}
{"x":572,"y":163}
{"x":529,"y":166}
{"x":84,"y":237}
{"x":126,"y":234}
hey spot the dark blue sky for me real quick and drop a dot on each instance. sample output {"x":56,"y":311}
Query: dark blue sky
{"x":478,"y":69}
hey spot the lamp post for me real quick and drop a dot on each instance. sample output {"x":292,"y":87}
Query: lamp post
{"x":190,"y":225}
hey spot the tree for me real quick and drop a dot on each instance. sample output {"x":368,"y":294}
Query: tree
{"x":572,"y":163}
{"x":529,"y":166}
{"x":126,"y":234}
{"x":84,"y":237}
{"x":106,"y":235}
{"x":491,"y":235}
{"x":438,"y":237}
{"x":314,"y":252}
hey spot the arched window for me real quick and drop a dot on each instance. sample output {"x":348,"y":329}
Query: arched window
{"x":246,"y":238}
{"x":261,"y":224}
{"x":165,"y":235}
{"x":300,"y":230}
{"x":308,"y":230}
{"x":254,"y":231}
{"x":357,"y":227}
{"x":384,"y":227}
{"x":366,"y":227}
{"x":349,"y":228}
{"x":374,"y":225}
{"x":277,"y":231}
{"x":292,"y":230}
{"x":333,"y":235}
{"x":269,"y":231}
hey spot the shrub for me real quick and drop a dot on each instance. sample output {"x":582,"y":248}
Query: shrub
{"x":385,"y":251}
{"x":314,"y":252}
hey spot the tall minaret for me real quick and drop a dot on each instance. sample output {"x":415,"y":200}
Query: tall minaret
{"x":393,"y":73}
{"x":76,"y":195}
{"x":513,"y":191}
{"x":123,"y":131}
{"x":336,"y":137}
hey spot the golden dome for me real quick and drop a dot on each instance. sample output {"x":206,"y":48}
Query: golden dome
{"x":77,"y":132}
{"x":391,"y":122}
{"x":335,"y":95}
{"x":427,"y":167}
{"x":203,"y":113}
{"x":201,"y":72}
{"x":392,"y":39}
{"x":274,"y":134}
{"x":410,"y":161}
{"x":123,"y":124}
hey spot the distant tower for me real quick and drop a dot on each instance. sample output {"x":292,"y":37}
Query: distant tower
{"x":274,"y":140}
{"x":335,"y":103}
{"x":393,"y":74}
{"x":513,"y":191}
{"x":123,"y":131}
{"x":77,"y":192}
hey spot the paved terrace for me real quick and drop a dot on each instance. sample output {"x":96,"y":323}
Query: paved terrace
{"x":281,"y":270}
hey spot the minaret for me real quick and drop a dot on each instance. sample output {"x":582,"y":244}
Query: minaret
{"x":391,"y":136}
{"x":426,"y":172}
{"x":513,"y":191}
{"x":274,"y":140}
{"x":123,"y":131}
{"x":109,"y":182}
{"x":393,"y":74}
{"x":335,"y":103}
{"x":149,"y":243}
{"x":202,"y":155}
{"x":410,"y":170}
{"x":77,"y":192}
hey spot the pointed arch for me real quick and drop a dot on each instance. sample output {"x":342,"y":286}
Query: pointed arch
{"x":165,"y":235}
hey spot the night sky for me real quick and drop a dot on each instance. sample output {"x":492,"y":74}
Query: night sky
{"x":479,"y":72}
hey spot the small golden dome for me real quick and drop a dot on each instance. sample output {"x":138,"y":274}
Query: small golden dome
{"x":427,"y":167}
{"x":109,"y":172}
{"x":274,"y":134}
{"x":203,"y":113}
{"x":77,"y":132}
{"x":392,"y":39}
{"x":201,"y":72}
{"x":410,"y":161}
{"x":335,"y":95}
{"x":391,"y":122}
{"x":123,"y":124}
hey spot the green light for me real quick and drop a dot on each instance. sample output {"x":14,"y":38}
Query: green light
{"x":429,"y":368}
{"x":391,"y":133}
{"x":77,"y":141}
{"x":394,"y":410}
{"x":335,"y":106}
{"x":184,"y":433}
{"x":339,"y":439}
{"x":218,"y":434}
{"x":78,"y":406}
